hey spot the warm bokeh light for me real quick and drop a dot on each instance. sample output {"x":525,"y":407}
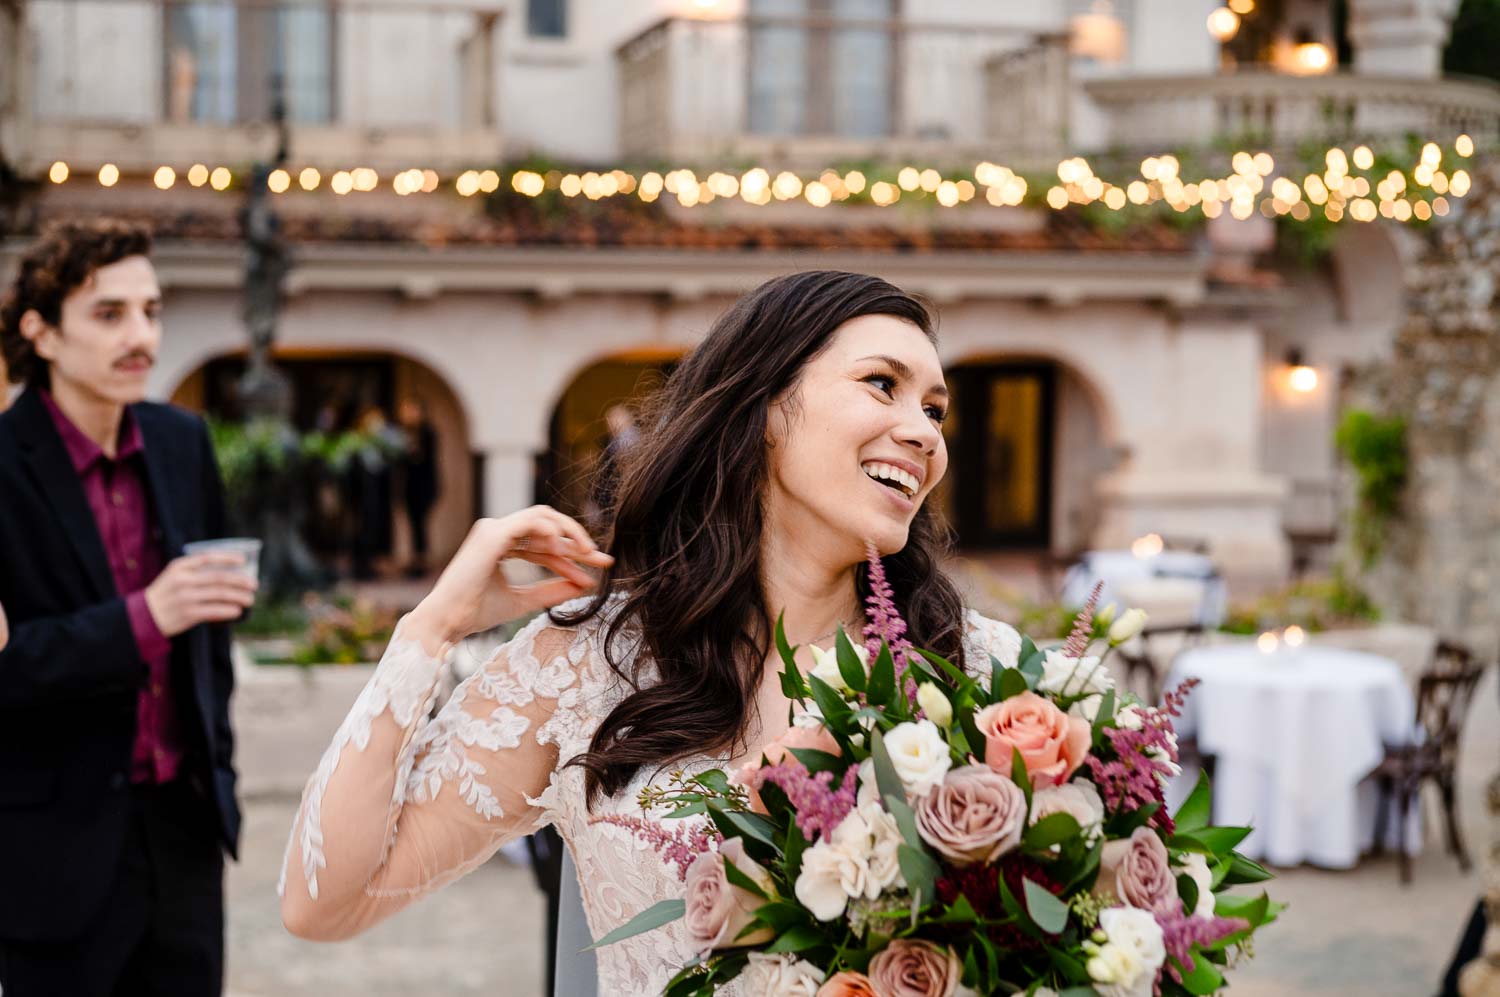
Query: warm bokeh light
{"x":59,"y":172}
{"x":220,"y":178}
{"x":1267,"y":642}
{"x":1313,"y":57}
{"x":164,"y":177}
{"x":197,"y":175}
{"x":1363,"y":158}
{"x":279,"y":181}
{"x":1294,"y":636}
{"x":109,"y":175}
{"x":1464,"y":146}
{"x":309,"y":178}
{"x":1242,"y":7}
{"x":342,"y":182}
{"x":1147,"y":546}
{"x":1223,"y":24}
{"x":1302,"y":378}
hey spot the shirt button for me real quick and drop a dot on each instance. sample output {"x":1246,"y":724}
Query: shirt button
{"x":131,"y":563}
{"x":117,"y":498}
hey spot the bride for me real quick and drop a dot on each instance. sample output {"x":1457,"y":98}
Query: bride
{"x":807,"y":424}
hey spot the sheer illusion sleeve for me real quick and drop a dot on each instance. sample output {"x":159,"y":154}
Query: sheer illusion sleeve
{"x":984,"y":637}
{"x":404,"y":803}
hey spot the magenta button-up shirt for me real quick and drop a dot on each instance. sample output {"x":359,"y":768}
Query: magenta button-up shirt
{"x":116,"y":491}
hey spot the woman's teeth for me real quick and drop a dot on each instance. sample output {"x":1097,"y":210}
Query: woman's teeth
{"x":892,"y":477}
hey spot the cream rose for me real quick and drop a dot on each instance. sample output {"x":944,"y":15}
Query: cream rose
{"x":1052,"y":744}
{"x":779,"y":976}
{"x":1065,"y":676}
{"x":1126,"y":964}
{"x":1079,"y":800}
{"x":838,"y":869}
{"x":920,"y":756}
{"x":885,"y":845}
{"x":974,"y":815}
{"x":912,"y":968}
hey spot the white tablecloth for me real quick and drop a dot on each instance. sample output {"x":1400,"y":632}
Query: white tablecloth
{"x":1169,"y":579}
{"x":1295,"y":733}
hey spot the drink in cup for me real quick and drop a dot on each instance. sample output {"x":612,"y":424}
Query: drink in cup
{"x":247,"y":547}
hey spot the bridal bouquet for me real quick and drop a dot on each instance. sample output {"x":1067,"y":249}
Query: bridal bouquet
{"x":918,"y":833}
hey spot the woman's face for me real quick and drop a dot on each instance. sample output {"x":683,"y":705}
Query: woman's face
{"x":856,"y":444}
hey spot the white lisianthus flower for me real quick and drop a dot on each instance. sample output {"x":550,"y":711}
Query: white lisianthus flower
{"x":1130,"y":623}
{"x":869,"y":787}
{"x":885,"y":843}
{"x":1126,"y":964}
{"x":1196,"y":868}
{"x":1079,"y":800}
{"x":933,"y":703}
{"x":826,"y":666}
{"x":780,"y":976}
{"x":1065,"y":676}
{"x":920,"y":756}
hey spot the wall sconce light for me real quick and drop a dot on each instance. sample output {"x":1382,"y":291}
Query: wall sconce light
{"x":1302,"y":378}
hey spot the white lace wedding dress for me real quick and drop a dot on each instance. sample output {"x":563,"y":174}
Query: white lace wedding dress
{"x":402,"y":804}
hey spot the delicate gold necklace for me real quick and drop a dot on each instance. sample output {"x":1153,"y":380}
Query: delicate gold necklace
{"x":846,"y":625}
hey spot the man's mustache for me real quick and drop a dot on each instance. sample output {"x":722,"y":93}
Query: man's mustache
{"x":134,"y":356}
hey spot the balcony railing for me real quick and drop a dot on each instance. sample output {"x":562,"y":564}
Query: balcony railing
{"x":821,"y":90}
{"x":145,"y":82}
{"x":1281,"y":111}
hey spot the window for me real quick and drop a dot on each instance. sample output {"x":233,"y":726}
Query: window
{"x":547,"y":18}
{"x":224,"y":60}
{"x":822,"y":67}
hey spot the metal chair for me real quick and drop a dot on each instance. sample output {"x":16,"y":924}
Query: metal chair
{"x":1148,"y":658}
{"x":1444,"y":694}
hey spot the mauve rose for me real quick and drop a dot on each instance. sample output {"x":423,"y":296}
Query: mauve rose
{"x":717,"y":910}
{"x":1052,"y":744}
{"x":848,"y":984}
{"x":817,"y":738}
{"x":974,"y":815}
{"x":915,"y":968}
{"x":1137,"y":871}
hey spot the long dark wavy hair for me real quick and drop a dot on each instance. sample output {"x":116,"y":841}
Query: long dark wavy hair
{"x":686,"y":532}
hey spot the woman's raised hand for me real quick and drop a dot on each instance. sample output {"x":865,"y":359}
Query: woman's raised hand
{"x":473,"y":593}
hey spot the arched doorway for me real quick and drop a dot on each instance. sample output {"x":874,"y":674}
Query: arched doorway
{"x":338,"y":391}
{"x":590,"y":422}
{"x":1026,"y":444}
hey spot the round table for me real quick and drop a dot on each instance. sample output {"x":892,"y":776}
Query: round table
{"x":1295,"y":733}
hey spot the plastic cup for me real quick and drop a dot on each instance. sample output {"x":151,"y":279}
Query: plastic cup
{"x":247,"y":547}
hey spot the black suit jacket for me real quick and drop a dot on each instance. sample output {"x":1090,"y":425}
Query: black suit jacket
{"x":71,"y":674}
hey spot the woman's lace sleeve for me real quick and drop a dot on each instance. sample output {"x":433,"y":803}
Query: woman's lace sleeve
{"x":403,"y":803}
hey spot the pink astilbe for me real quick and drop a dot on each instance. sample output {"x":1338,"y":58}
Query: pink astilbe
{"x":885,"y":622}
{"x":1182,"y":931}
{"x":1145,"y":761}
{"x":677,"y":847}
{"x":1078,"y":641}
{"x":819,"y":807}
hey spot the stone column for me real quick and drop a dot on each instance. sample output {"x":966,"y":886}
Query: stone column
{"x":1400,"y":37}
{"x":509,"y":475}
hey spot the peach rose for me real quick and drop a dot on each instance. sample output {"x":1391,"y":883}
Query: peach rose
{"x":817,"y":738}
{"x":848,"y":984}
{"x":1052,"y":744}
{"x":717,"y":910}
{"x":914,"y":968}
{"x":1137,"y":871}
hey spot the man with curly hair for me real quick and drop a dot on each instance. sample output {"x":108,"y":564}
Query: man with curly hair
{"x":116,"y":778}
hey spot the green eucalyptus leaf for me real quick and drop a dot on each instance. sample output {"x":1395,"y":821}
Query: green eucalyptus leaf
{"x":1047,"y":911}
{"x":651,"y":918}
{"x":1051,"y":830}
{"x":882,"y":678}
{"x":886,"y":779}
{"x":744,"y":882}
{"x":798,"y":938}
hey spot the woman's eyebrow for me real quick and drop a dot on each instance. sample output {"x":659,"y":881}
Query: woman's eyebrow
{"x":904,"y":372}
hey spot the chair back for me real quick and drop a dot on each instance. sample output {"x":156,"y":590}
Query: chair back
{"x":1148,"y":658}
{"x":1444,"y":693}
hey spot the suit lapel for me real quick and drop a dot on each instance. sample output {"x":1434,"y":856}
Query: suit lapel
{"x":158,"y":481}
{"x":48,"y":462}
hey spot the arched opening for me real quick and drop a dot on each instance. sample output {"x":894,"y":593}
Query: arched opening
{"x":1026,"y":441}
{"x":592,"y":422}
{"x":363,"y":520}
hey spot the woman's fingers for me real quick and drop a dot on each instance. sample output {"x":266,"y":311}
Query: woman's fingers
{"x":560,"y":566}
{"x":545,"y":595}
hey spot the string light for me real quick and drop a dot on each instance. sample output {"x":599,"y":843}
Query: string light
{"x":1340,"y":191}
